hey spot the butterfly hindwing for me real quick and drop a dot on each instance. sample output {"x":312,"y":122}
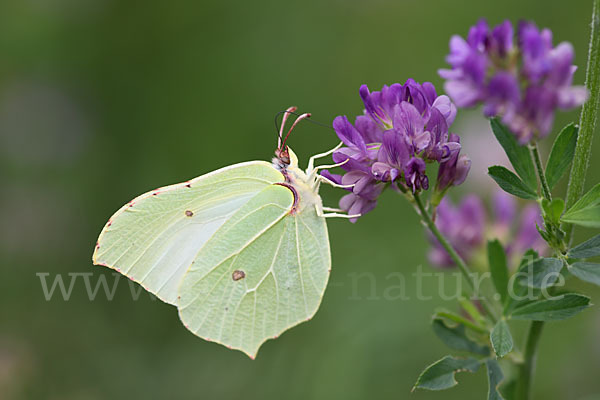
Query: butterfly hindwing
{"x":263,"y":271}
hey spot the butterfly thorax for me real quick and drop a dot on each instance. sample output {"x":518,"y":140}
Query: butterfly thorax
{"x":303,"y":185}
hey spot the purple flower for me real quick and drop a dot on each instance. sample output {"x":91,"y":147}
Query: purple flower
{"x":560,"y":78}
{"x":524,"y":83}
{"x":414,"y":175}
{"x":361,"y":203}
{"x":468,"y":228}
{"x":447,"y":109}
{"x":403,"y":128}
{"x":535,"y":46}
{"x":409,"y":124}
{"x":504,"y":95}
{"x":394,"y":154}
{"x":454,"y":170}
{"x":501,"y":43}
{"x":466,"y":80}
{"x":348,"y":134}
{"x":421,"y":96}
{"x":379,"y":105}
{"x":364,"y":193}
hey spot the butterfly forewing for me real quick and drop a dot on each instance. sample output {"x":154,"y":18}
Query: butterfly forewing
{"x":154,"y":238}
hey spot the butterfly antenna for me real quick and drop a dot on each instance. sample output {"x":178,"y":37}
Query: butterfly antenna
{"x":279,"y":129}
{"x":281,"y":152}
{"x":286,"y":114}
{"x":300,"y":118}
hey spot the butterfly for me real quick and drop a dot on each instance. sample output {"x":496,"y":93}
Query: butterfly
{"x":242,"y":252}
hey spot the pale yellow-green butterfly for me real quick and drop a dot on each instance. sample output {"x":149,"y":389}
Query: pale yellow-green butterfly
{"x":243,"y":252}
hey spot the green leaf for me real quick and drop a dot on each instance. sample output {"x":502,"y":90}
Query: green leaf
{"x":459,"y":319}
{"x":586,"y":271}
{"x":589,"y":248}
{"x":495,"y":377}
{"x":519,"y":156}
{"x":511,"y":183}
{"x":441,"y":374}
{"x":501,"y":339}
{"x":543,"y":233}
{"x":561,"y":154}
{"x":541,"y":273}
{"x":498,"y":267}
{"x":517,"y":290}
{"x":529,"y":256}
{"x":470,"y":309}
{"x":589,"y":217}
{"x":586,"y":212}
{"x":564,"y":307}
{"x":456,"y":338}
{"x":553,"y":209}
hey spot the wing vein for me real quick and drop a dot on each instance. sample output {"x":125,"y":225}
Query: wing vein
{"x":312,"y":280}
{"x":249,"y":242}
{"x":154,"y":217}
{"x":300,"y":268}
{"x":206,"y":296}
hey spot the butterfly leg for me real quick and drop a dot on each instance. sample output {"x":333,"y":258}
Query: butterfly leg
{"x":312,"y":173}
{"x":336,"y":215}
{"x":332,"y":183}
{"x":332,"y":209}
{"x":315,"y":169}
{"x":320,"y":213}
{"x":320,"y":178}
{"x":311,"y":161}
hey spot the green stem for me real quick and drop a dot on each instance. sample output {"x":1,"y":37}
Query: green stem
{"x":453,"y":254}
{"x":540,"y":171}
{"x":583,"y":150}
{"x":587,"y":121}
{"x":557,"y":243}
{"x":528,"y":366}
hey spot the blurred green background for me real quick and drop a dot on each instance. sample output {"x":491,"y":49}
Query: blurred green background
{"x":101,"y":100}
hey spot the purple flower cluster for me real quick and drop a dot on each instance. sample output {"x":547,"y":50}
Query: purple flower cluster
{"x":468,"y":228}
{"x":523,"y":81}
{"x":403,"y":128}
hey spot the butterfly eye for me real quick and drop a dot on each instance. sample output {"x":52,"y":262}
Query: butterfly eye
{"x":283,"y":156}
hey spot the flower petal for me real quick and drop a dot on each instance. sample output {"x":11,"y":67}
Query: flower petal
{"x":348,"y":134}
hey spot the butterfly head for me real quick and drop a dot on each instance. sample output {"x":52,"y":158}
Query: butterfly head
{"x":285,"y":159}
